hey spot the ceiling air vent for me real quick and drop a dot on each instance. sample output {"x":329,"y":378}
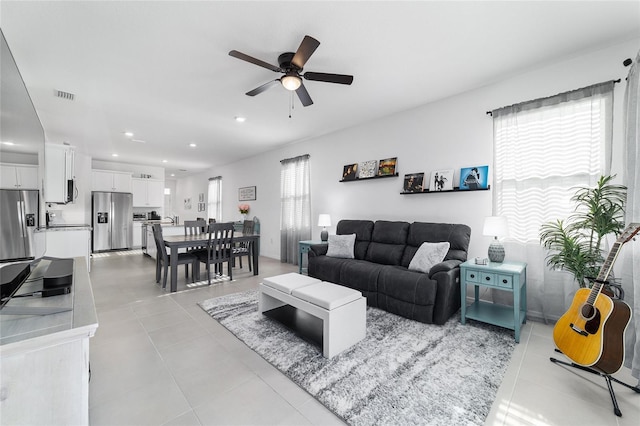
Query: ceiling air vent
{"x":64,"y":95}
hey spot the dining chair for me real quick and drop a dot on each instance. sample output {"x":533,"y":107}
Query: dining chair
{"x":163,"y":260}
{"x":219,"y":249}
{"x":243,"y":248}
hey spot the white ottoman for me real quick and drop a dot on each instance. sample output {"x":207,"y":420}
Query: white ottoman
{"x":343,"y":311}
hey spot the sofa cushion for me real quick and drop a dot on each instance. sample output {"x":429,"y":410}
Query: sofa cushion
{"x":363,"y":230}
{"x":327,"y":268}
{"x":387,"y":242}
{"x":362,"y":276}
{"x":457,"y":235}
{"x":341,"y":246}
{"x":428,"y":255}
{"x":407,"y":293}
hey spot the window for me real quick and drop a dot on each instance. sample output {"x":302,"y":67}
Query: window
{"x":295,"y":217}
{"x":214,"y":200}
{"x":543,"y":150}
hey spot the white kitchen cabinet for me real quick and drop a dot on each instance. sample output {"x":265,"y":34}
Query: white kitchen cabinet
{"x":18,"y":176}
{"x":110,"y":181}
{"x":69,"y":242}
{"x":147,"y":192}
{"x":137,"y":234}
{"x":58,"y":171}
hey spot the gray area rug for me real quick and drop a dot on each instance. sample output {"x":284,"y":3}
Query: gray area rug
{"x":403,"y":373}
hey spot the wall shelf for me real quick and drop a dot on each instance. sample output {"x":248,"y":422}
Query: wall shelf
{"x":367,"y":178}
{"x":456,"y":189}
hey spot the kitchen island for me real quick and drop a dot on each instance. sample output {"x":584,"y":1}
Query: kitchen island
{"x":45,"y":358}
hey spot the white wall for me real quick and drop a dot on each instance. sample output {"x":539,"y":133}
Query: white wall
{"x":451,"y":133}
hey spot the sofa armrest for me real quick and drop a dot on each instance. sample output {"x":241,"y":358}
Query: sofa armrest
{"x":445,"y":266}
{"x":318,"y":250}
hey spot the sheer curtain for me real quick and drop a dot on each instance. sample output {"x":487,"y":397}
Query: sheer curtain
{"x":214,"y":199}
{"x":631,"y":252}
{"x":295,"y":217}
{"x":534,"y":179}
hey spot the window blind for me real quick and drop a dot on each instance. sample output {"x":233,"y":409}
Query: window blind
{"x":546,"y":148}
{"x":214,"y":199}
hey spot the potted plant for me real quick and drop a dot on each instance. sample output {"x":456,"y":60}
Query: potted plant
{"x":575,"y":244}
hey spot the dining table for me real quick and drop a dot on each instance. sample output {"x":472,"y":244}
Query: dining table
{"x":176,"y":242}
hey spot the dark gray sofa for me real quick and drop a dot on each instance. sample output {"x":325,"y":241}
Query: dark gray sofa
{"x":383,"y":251}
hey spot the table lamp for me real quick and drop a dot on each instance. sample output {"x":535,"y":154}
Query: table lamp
{"x":324,"y":220}
{"x":496,"y":226}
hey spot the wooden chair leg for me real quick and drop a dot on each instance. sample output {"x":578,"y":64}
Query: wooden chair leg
{"x":164,"y":279}
{"x":157,"y":270}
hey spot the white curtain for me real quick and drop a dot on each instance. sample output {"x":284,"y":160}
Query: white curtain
{"x":543,"y":150}
{"x":214,"y":199}
{"x":630,"y":253}
{"x":295,"y":218}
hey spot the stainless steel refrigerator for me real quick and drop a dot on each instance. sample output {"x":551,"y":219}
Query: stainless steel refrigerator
{"x":19,"y":213}
{"x":112,"y":214}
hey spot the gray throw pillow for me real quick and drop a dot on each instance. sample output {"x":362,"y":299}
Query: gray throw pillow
{"x":341,"y":246}
{"x":428,"y":255}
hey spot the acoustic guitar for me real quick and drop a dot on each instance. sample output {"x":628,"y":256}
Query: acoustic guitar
{"x":591,"y":332}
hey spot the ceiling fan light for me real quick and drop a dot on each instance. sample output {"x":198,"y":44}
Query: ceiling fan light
{"x":291,"y":82}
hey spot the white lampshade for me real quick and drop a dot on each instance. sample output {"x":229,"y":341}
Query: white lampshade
{"x":324,"y":220}
{"x":496,"y":226}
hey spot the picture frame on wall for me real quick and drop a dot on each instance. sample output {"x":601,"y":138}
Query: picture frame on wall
{"x":387,"y":166}
{"x":414,"y":182}
{"x":187,"y":203}
{"x":247,"y":193}
{"x":201,"y":197}
{"x":368,"y":169}
{"x":201,"y":207}
{"x":441,"y":180}
{"x":350,"y":171}
{"x":476,"y":177}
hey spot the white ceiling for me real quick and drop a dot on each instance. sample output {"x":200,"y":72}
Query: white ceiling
{"x":161,"y":69}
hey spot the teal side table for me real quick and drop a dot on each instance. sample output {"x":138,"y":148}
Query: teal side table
{"x":304,"y":247}
{"x":506,"y":276}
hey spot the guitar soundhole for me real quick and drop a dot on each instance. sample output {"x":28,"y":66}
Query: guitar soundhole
{"x":588,"y":312}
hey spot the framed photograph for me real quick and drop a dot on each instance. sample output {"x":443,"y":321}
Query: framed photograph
{"x":350,"y":171}
{"x":441,"y":180}
{"x":414,"y":182}
{"x":201,"y":198}
{"x":368,"y":169}
{"x":387,"y":166}
{"x":474,"y":178}
{"x":201,"y":207}
{"x":248,"y":193}
{"x":187,"y":203}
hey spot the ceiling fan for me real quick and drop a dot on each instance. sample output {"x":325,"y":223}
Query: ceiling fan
{"x":291,"y":65}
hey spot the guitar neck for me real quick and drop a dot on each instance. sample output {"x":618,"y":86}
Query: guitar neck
{"x":605,"y":270}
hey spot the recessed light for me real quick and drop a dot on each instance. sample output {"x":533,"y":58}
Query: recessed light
{"x":173,"y":174}
{"x":114,"y":155}
{"x":128,"y":134}
{"x":192,"y":145}
{"x":165,"y":161}
{"x":240,"y":119}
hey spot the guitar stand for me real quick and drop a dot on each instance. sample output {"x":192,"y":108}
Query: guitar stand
{"x":607,"y":377}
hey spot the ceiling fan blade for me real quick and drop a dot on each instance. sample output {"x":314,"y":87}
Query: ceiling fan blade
{"x":254,"y":61}
{"x":262,"y":88}
{"x":328,"y":78}
{"x":304,"y":52}
{"x":304,"y":96}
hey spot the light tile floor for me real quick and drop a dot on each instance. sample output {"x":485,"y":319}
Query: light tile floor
{"x":159,"y":359}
